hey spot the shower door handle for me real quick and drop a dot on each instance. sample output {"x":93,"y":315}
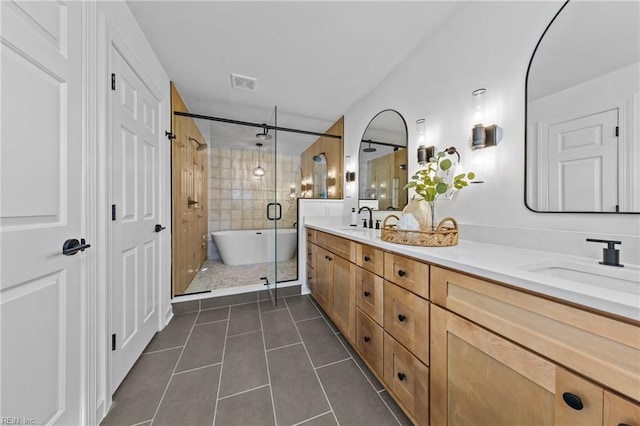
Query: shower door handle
{"x":278,"y":208}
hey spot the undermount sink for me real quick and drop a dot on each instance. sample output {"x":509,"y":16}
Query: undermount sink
{"x":621,"y":279}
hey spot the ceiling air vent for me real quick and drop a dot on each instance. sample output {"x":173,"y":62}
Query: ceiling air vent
{"x":243,"y":82}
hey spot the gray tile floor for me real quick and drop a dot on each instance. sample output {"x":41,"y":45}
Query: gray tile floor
{"x":251,"y":364}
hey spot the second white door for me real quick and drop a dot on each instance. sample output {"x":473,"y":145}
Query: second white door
{"x":135,"y":186}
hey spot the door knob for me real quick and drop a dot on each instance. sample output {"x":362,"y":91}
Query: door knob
{"x":73,"y":246}
{"x":159,"y":228}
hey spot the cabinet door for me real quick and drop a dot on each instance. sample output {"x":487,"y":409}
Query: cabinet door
{"x":407,"y":378}
{"x":343,"y":296}
{"x":369,"y":341}
{"x":619,"y":411}
{"x":479,"y":378}
{"x":578,"y":401}
{"x":323,"y":277}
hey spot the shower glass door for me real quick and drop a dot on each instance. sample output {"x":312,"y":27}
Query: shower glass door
{"x":273,"y":207}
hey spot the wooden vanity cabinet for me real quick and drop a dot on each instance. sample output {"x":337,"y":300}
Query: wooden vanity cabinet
{"x":334,"y":279}
{"x":512,"y":357}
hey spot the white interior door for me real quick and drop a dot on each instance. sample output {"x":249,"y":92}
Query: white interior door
{"x":583,"y":168}
{"x":41,"y":205}
{"x":135,"y":185}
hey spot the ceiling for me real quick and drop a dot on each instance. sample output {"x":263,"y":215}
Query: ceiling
{"x":313,"y":59}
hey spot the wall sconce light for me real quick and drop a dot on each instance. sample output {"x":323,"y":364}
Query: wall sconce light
{"x":292,"y":191}
{"x":424,"y":152}
{"x":482,"y":136}
{"x":349,"y":175}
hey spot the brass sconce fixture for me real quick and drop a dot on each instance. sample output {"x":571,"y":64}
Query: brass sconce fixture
{"x":482,"y":136}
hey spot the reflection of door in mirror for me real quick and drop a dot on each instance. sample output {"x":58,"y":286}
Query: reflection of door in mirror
{"x":382,"y":163}
{"x":582,"y":138}
{"x":320,"y":176}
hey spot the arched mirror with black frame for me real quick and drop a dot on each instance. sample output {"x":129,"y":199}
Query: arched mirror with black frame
{"x":382,"y":163}
{"x":582,"y":121}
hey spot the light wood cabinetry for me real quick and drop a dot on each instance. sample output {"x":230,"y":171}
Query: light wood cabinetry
{"x":407,"y":378}
{"x":343,"y":296}
{"x":370,"y":258}
{"x":334,"y":285}
{"x":324,"y":277}
{"x":457,"y":349}
{"x":619,"y":411}
{"x":553,"y":363}
{"x":370,"y":341}
{"x":407,"y":273}
{"x":406,"y":318}
{"x":370,"y":294}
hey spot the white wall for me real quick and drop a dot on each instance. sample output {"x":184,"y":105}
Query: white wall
{"x":486,"y":44}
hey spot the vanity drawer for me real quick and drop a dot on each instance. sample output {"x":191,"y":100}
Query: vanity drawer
{"x":370,"y":258}
{"x":369,"y":341}
{"x":407,"y":273}
{"x":337,"y":245}
{"x":370,"y":294}
{"x":311,"y":235}
{"x":406,"y":318}
{"x":407,"y":378}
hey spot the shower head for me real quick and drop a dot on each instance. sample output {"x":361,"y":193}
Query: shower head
{"x":200,"y":146}
{"x":369,"y":149}
{"x":264,"y":136}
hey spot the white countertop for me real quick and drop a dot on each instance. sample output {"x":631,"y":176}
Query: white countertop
{"x":514,"y":266}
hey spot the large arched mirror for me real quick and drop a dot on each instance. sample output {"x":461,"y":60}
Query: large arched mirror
{"x":582,"y":129}
{"x":383,"y":163}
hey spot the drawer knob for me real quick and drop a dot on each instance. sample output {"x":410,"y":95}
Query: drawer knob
{"x":573,"y":401}
{"x":401,"y":318}
{"x":367,"y":258}
{"x":401,"y":376}
{"x":329,"y":258}
{"x":366,"y":339}
{"x":366,"y":294}
{"x":402,"y":273}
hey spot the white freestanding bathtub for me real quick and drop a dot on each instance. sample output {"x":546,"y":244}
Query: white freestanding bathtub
{"x":244,"y":247}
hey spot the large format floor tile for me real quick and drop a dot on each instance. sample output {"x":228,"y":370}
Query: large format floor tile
{"x":297,"y":393}
{"x":242,"y":361}
{"x":321,"y":343}
{"x":245,"y":364}
{"x":352,"y":398}
{"x":190,"y":398}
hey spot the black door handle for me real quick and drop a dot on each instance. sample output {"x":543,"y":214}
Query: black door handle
{"x":159,"y":228}
{"x":73,"y":246}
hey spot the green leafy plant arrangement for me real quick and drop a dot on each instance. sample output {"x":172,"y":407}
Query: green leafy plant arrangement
{"x":433,"y":181}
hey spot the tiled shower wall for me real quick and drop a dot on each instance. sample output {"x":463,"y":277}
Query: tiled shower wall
{"x":238,"y":200}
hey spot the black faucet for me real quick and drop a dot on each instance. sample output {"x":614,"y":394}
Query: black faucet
{"x":370,"y":215}
{"x":610,"y":255}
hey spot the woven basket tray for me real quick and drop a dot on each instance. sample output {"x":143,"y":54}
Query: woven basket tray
{"x":443,"y":236}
